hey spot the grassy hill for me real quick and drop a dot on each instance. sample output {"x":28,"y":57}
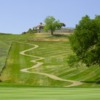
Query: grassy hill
{"x":5,"y":43}
{"x":53,"y":51}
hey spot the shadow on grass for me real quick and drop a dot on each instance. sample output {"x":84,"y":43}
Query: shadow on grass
{"x":96,"y":81}
{"x":59,"y":35}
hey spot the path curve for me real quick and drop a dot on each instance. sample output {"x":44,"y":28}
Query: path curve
{"x":38,"y":64}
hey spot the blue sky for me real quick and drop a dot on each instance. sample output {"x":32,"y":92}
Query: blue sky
{"x":17,"y":16}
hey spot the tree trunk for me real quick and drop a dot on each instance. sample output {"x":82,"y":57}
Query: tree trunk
{"x":51,"y":32}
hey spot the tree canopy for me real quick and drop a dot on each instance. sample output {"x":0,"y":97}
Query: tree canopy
{"x":52,"y":24}
{"x":85,"y":41}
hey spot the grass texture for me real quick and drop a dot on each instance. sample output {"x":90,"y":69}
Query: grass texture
{"x":49,"y":93}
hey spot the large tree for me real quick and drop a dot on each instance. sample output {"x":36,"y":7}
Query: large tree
{"x":85,"y":41}
{"x":52,"y":24}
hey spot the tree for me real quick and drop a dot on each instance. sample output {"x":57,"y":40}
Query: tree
{"x":30,"y":31}
{"x":52,"y":24}
{"x":85,"y":41}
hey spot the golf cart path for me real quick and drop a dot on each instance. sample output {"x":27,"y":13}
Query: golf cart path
{"x":38,"y":64}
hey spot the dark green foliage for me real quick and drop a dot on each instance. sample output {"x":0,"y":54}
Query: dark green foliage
{"x":98,"y":80}
{"x":85,"y":41}
{"x":73,"y":61}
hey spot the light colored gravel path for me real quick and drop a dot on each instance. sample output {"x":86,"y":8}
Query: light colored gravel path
{"x":38,"y":64}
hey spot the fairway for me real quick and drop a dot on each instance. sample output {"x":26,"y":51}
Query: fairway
{"x":49,"y":93}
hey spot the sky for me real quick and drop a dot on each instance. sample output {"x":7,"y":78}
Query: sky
{"x":17,"y":16}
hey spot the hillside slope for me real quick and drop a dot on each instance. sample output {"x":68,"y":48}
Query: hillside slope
{"x":55,"y":56}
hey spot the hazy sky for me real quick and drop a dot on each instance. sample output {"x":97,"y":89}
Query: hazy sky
{"x":17,"y":16}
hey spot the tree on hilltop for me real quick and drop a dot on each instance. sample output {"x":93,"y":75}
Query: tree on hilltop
{"x":52,"y":24}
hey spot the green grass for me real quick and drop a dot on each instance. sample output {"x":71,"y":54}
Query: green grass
{"x":55,"y":62}
{"x":4,"y":47}
{"x":5,"y":43}
{"x":24,"y":86}
{"x":49,"y":93}
{"x":16,"y":62}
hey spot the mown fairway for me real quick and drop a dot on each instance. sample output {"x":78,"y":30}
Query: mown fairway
{"x":49,"y":93}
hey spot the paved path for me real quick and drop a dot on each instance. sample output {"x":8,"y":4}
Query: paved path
{"x":38,"y":64}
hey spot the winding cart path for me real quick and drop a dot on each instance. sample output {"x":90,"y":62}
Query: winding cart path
{"x":38,"y":64}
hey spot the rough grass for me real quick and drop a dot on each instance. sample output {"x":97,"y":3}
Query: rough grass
{"x":49,"y":93}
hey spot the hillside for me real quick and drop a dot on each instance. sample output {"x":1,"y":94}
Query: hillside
{"x":41,"y":60}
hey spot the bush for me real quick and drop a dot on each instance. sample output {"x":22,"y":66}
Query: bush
{"x":73,"y":61}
